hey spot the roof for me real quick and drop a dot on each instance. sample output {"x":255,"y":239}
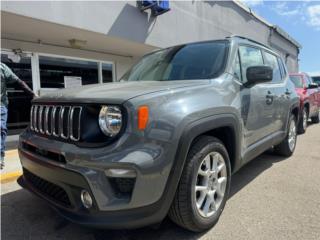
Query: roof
{"x":276,"y":28}
{"x":250,"y":40}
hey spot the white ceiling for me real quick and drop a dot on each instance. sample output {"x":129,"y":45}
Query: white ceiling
{"x":28,"y":29}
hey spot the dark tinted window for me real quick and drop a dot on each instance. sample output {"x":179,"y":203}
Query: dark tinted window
{"x":107,"y":72}
{"x":316,"y":79}
{"x":297,"y":80}
{"x":272,"y":61}
{"x":249,"y":56}
{"x":192,"y":61}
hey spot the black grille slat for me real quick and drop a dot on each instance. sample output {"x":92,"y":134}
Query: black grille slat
{"x":75,"y":117}
{"x":56,"y":117}
{"x":53,"y":156}
{"x":35,"y":118}
{"x":59,"y":121}
{"x":65,"y":115}
{"x":50,"y":190}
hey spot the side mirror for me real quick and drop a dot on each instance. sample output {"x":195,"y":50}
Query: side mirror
{"x":258,"y":74}
{"x":313,"y":85}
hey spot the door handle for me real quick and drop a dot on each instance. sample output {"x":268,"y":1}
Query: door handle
{"x":269,"y":98}
{"x":287,"y":92}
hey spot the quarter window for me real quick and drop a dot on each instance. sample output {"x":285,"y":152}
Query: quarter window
{"x":250,"y":56}
{"x":271,"y":61}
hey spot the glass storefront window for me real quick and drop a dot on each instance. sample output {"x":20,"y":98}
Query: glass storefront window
{"x":19,"y":101}
{"x":58,"y":72}
{"x":107,"y":72}
{"x":54,"y":72}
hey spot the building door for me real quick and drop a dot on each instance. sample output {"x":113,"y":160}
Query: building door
{"x":19,"y":101}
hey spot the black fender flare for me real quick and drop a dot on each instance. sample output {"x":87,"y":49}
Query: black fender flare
{"x":295,"y":105}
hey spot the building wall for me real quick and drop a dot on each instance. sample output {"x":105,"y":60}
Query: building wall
{"x":122,"y":64}
{"x":186,"y":22}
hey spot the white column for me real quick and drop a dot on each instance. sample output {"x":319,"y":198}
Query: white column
{"x":100,"y":77}
{"x":114,"y":72}
{"x":35,"y":73}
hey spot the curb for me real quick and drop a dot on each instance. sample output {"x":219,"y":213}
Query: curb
{"x":11,"y":153}
{"x":9,"y":177}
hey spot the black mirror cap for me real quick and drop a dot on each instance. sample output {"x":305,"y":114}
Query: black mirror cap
{"x":259,"y":74}
{"x":313,"y":85}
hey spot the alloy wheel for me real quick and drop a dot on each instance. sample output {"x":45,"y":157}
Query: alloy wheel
{"x":211,"y":182}
{"x":305,"y":120}
{"x":292,"y":138}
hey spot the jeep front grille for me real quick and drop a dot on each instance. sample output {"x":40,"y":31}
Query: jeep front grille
{"x":58,"y":121}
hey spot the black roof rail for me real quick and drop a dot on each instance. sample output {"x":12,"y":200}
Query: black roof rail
{"x":249,"y":39}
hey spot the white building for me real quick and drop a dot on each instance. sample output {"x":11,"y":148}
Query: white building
{"x":50,"y":44}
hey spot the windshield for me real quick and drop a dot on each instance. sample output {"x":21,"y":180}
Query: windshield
{"x":316,"y":79}
{"x":297,"y":80}
{"x":192,"y":61}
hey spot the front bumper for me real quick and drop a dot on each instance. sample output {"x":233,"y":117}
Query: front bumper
{"x":56,"y":181}
{"x":72,"y":183}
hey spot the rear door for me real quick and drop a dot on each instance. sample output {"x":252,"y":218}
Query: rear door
{"x":279,"y":92}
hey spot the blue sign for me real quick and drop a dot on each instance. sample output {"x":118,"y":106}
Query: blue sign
{"x":157,"y":7}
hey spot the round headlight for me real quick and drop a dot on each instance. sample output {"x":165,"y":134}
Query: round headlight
{"x":110,"y":120}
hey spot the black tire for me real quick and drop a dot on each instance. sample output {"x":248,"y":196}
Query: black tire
{"x":183,"y":210}
{"x":283,"y":148}
{"x":316,"y":119}
{"x":302,"y":126}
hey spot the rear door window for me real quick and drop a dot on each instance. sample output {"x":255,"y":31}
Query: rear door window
{"x":297,"y":81}
{"x":282,"y":68}
{"x":272,"y":61}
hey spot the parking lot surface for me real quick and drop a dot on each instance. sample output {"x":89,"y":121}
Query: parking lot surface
{"x":271,"y":198}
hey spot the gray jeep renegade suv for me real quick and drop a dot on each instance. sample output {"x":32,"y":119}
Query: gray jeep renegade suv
{"x":165,"y":140}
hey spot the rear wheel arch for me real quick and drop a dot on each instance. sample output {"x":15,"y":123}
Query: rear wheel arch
{"x":295,"y":111}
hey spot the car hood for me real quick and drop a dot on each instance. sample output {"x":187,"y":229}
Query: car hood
{"x":116,"y":93}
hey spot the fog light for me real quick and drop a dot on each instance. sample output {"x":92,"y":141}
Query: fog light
{"x":86,"y":199}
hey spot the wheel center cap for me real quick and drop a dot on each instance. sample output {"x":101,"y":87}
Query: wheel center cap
{"x":212,"y":183}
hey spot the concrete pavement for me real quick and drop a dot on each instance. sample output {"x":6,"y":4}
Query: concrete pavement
{"x":271,"y":198}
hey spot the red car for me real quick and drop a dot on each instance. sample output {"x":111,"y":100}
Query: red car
{"x":309,"y":93}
